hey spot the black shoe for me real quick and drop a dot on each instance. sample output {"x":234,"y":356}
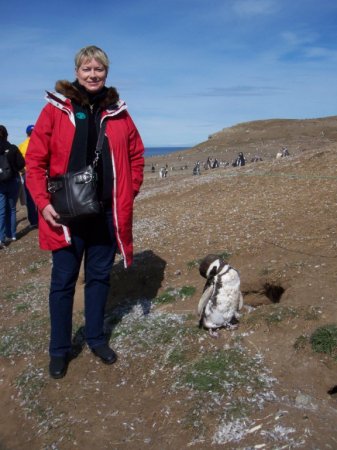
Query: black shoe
{"x":58,"y":366}
{"x":105,"y":353}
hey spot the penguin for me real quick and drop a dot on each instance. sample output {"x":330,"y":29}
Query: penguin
{"x":222,"y":299}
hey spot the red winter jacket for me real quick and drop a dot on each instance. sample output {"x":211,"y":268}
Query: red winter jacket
{"x":49,"y":151}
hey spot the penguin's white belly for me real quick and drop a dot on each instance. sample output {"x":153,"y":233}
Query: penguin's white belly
{"x":221,"y":299}
{"x":220,"y":310}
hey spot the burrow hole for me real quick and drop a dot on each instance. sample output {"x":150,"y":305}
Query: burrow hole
{"x":333,"y":391}
{"x":273,"y":292}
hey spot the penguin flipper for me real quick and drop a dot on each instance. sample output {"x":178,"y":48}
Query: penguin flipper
{"x":204,"y":300}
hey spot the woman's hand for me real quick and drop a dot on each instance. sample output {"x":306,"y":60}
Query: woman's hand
{"x":50,"y":215}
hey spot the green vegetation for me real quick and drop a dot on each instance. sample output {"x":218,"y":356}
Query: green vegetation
{"x":225,"y":255}
{"x":36,"y":265}
{"x":313,"y":313}
{"x":28,"y":337}
{"x":324,"y":340}
{"x":172,"y":294}
{"x":11,"y":296}
{"x":301,"y":342}
{"x":223,"y":371}
{"x":177,"y":357}
{"x":272,"y":315}
{"x":280,"y":314}
{"x":187,"y":291}
{"x":193,"y":264}
{"x":168,"y":296}
{"x":22,"y":307}
{"x":224,"y":385}
{"x":29,"y":385}
{"x":30,"y":334}
{"x":220,"y":384}
{"x":154,"y":330}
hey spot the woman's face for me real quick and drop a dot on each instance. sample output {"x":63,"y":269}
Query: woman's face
{"x":91,"y":75}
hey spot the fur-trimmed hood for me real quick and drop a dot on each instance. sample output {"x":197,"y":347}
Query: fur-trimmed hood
{"x":70,"y":91}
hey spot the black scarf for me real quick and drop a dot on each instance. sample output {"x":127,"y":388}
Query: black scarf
{"x":87,"y":120}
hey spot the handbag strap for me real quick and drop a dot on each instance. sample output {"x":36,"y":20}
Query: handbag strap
{"x":99,"y":145}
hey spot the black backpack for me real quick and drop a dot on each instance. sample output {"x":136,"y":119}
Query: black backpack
{"x":6,"y":171}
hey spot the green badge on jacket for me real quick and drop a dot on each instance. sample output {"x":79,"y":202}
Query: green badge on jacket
{"x":80,"y":115}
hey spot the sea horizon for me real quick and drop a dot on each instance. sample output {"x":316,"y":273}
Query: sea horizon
{"x":158,"y":151}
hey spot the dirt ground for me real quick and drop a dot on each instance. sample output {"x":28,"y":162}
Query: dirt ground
{"x":174,"y":386}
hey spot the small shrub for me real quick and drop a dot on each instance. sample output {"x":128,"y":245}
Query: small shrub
{"x":271,"y":315}
{"x":223,"y":371}
{"x":171,"y":294}
{"x":225,"y":255}
{"x":21,"y":291}
{"x":21,"y":307}
{"x":313,"y":313}
{"x":279,"y":314}
{"x":30,"y":384}
{"x":187,"y":291}
{"x":26,"y":338}
{"x":193,"y":264}
{"x":301,"y":342}
{"x":324,"y":340}
{"x":168,"y":296}
{"x":36,"y":265}
{"x":177,"y":357}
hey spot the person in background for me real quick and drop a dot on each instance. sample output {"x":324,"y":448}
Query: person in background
{"x":64,"y":140}
{"x":31,"y":208}
{"x":9,"y":188}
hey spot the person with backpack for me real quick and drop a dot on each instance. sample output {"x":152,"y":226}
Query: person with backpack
{"x":11,"y":163}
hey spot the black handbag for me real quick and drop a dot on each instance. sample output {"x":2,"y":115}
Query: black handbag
{"x":74,"y":194}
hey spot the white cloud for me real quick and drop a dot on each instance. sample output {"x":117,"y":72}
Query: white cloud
{"x":255,"y":7}
{"x":302,"y":45}
{"x":320,"y":53}
{"x":300,"y":38}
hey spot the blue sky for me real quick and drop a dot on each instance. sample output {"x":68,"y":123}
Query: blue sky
{"x":186,"y":68}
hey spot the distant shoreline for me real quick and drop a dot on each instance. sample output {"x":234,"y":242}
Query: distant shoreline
{"x":160,"y":151}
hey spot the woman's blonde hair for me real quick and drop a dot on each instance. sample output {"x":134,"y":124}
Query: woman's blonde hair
{"x":91,"y":52}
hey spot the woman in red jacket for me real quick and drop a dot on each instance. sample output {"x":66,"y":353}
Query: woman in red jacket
{"x":64,"y":140}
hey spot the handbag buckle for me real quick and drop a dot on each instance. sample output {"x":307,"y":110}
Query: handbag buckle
{"x":87,"y":177}
{"x":52,"y":187}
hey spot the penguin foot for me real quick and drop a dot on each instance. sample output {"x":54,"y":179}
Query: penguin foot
{"x":213,"y":333}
